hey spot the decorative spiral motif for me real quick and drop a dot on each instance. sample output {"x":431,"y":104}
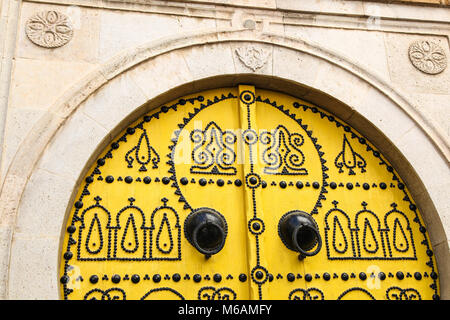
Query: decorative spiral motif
{"x":428,"y":57}
{"x":49,"y":29}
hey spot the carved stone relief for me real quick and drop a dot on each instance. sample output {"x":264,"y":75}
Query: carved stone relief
{"x":427,"y":56}
{"x":49,"y":29}
{"x":253,"y":58}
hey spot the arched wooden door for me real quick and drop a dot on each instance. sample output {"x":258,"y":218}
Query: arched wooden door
{"x":252,"y":159}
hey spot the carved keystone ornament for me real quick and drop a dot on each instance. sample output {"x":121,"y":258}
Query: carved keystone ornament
{"x":49,"y":29}
{"x":252,"y":57}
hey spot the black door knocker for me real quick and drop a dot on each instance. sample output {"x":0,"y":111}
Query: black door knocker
{"x":206,"y":230}
{"x":299,"y":232}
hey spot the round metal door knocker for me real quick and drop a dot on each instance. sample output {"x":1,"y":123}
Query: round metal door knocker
{"x":206,"y":230}
{"x":299,"y":232}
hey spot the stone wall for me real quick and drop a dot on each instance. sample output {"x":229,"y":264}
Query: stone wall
{"x":62,"y":99}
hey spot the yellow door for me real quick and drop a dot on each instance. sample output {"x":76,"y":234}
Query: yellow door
{"x":242,"y":193}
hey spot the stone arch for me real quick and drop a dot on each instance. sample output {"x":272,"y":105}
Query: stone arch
{"x":200,"y":61}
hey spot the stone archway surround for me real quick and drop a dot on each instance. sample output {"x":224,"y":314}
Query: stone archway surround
{"x":51,"y":160}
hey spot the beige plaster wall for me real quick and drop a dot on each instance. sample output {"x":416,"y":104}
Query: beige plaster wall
{"x":370,"y":38}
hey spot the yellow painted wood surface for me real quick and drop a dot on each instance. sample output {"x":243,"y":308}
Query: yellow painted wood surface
{"x":302,"y":158}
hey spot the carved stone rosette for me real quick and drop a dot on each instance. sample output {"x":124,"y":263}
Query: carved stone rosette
{"x":49,"y":29}
{"x":427,"y":56}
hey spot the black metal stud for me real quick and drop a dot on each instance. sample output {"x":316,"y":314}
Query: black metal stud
{"x":109,"y":179}
{"x":326,"y":276}
{"x":135,"y":278}
{"x":217,"y":277}
{"x":128,"y":179}
{"x":93,"y":279}
{"x":242,"y":277}
{"x":299,"y":185}
{"x":78,"y":204}
{"x":115,"y":278}
{"x":71,"y":229}
{"x":176,"y":277}
{"x":362,"y":276}
{"x":308,"y":277}
{"x":156,"y":278}
{"x":197,"y":278}
{"x":400,"y":275}
{"x":290,"y":277}
{"x":68,"y":255}
{"x":147,"y":180}
{"x":283,"y":184}
{"x":184,"y":181}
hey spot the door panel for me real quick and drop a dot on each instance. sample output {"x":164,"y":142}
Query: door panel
{"x":249,"y":158}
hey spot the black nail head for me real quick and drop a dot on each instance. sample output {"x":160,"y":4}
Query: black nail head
{"x":147,"y":180}
{"x":109,"y":179}
{"x":429,"y":253}
{"x":130,"y":130}
{"x":135,"y":278}
{"x":68,"y":255}
{"x":128,"y":179}
{"x":71,"y":229}
{"x":217,"y":277}
{"x":253,"y":180}
{"x":412,"y":207}
{"x":242,"y":277}
{"x":326,"y":276}
{"x":283,"y":184}
{"x":383,"y":185}
{"x":78,"y":204}
{"x":259,"y":274}
{"x":382,"y":276}
{"x":316,"y":185}
{"x":366,"y":186}
{"x":400,"y":275}
{"x":362,"y":276}
{"x":417,"y":275}
{"x":308,"y":277}
{"x":433,"y":275}
{"x":176,"y":277}
{"x":184,"y":181}
{"x":270,"y":277}
{"x":349,"y":186}
{"x":115,"y":145}
{"x":290,"y":277}
{"x":299,"y":184}
{"x":156,"y":278}
{"x":101,"y":162}
{"x":64,"y":279}
{"x":344,"y":276}
{"x":202,"y":182}
{"x":256,"y":226}
{"x":197,"y":277}
{"x":165,"y":180}
{"x":89,"y":179}
{"x":263,"y":184}
{"x":238,"y":182}
{"x":164,"y":109}
{"x":93,"y":279}
{"x":220,"y":182}
{"x":147,"y":118}
{"x":333,"y":185}
{"x":115,"y":278}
